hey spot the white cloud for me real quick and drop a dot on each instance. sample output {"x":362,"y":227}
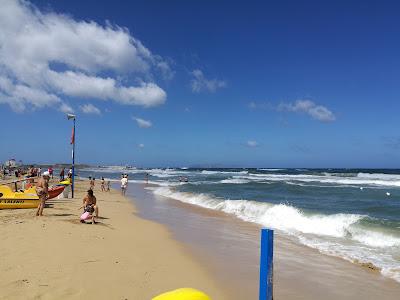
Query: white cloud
{"x":199,"y":83}
{"x":90,"y":109}
{"x":81,"y":85}
{"x":165,"y":69}
{"x":142,"y":123}
{"x":318,"y":112}
{"x":252,"y":144}
{"x":20,"y":95}
{"x":65,"y":108}
{"x":141,"y":145}
{"x":45,"y":57}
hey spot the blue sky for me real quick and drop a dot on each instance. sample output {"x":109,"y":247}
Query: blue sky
{"x":183,"y":83}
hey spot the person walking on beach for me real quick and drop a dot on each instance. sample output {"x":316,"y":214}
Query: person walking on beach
{"x":31,"y":171}
{"x":124,"y":184}
{"x":103,"y":188}
{"x":42,"y":190}
{"x":62,"y":174}
{"x":146,"y":178}
{"x":51,"y":172}
{"x":108,"y":186}
{"x":69,"y":176}
{"x":92,"y":183}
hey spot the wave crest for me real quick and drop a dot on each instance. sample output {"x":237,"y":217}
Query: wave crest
{"x":338,"y":234}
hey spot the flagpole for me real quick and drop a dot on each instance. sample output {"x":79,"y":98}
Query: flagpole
{"x":73,"y":164}
{"x":73,"y":117}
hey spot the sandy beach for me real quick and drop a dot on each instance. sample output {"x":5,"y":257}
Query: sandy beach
{"x":121,"y":257}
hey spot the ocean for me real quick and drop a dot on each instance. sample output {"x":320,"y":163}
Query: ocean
{"x":353,"y":214}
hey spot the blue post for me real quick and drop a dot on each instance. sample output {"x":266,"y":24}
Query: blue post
{"x":266,"y":265}
{"x":73,"y":164}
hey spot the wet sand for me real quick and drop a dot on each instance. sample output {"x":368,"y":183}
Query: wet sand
{"x":121,"y":257}
{"x":229,"y":248}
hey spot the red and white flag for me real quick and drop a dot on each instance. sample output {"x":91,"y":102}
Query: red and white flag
{"x":73,"y":136}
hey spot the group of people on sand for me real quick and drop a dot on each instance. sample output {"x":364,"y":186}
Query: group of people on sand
{"x":32,"y":171}
{"x":37,"y":172}
{"x":89,"y":202}
{"x":62,"y":174}
{"x":105,"y":185}
{"x":24,"y":172}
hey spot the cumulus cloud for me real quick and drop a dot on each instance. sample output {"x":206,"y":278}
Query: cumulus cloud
{"x":252,"y":144}
{"x":45,"y":57}
{"x":90,"y":109}
{"x":199,"y":83}
{"x":81,"y":85}
{"x":315,"y":111}
{"x":65,"y":108}
{"x":143,"y":123}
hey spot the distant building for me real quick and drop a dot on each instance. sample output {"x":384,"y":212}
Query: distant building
{"x":11,"y":163}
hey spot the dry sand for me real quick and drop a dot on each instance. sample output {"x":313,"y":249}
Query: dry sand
{"x":121,"y":257}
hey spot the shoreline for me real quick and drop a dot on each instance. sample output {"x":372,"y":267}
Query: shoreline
{"x":122,"y":257}
{"x":220,"y":241}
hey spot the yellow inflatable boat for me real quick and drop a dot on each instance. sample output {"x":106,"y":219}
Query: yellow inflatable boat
{"x":25,"y":199}
{"x":183,"y":294}
{"x":65,"y":182}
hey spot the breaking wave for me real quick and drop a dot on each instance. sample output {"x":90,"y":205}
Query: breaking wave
{"x":207,"y":172}
{"x":361,"y":179}
{"x":341,"y":234}
{"x":235,"y":181}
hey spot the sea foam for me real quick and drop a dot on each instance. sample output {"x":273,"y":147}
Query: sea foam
{"x":360,"y":179}
{"x":235,"y":181}
{"x":279,"y":216}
